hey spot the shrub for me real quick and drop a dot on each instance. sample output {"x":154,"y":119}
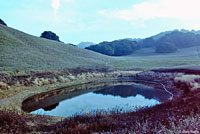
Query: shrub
{"x":50,"y":35}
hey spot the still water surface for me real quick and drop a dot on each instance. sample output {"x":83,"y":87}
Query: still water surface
{"x":123,"y":96}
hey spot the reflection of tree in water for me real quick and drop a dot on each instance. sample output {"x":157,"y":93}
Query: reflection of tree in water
{"x":133,"y":90}
{"x":51,"y":107}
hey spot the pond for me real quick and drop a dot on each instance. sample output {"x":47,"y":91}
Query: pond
{"x":123,"y":95}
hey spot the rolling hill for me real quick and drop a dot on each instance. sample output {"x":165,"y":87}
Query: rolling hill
{"x":22,"y":51}
{"x":166,"y":42}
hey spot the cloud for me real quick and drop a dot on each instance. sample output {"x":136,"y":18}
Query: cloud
{"x":153,"y":9}
{"x":67,"y":0}
{"x":56,"y":4}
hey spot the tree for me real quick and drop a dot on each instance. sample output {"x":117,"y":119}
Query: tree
{"x":50,"y":35}
{"x":147,"y":42}
{"x":115,"y":48}
{"x":181,"y":39}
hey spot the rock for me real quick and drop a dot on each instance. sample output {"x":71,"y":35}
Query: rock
{"x":2,"y":22}
{"x":50,"y":35}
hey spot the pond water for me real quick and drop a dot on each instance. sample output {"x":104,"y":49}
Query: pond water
{"x":126,"y":96}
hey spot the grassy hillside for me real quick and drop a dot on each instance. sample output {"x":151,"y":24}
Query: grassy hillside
{"x":21,"y":51}
{"x":147,"y":58}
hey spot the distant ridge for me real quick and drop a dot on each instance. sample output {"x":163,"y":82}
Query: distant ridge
{"x":165,"y":42}
{"x":160,"y":35}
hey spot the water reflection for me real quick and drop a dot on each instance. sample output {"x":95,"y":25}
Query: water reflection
{"x":133,"y":90}
{"x":122,"y":95}
{"x":51,"y":107}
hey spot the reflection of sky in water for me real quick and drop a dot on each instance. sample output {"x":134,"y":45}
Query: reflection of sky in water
{"x":92,"y":101}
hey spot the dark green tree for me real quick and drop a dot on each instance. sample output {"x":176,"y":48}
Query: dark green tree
{"x":50,"y":35}
{"x":181,"y":39}
{"x":147,"y":42}
{"x":115,"y":48}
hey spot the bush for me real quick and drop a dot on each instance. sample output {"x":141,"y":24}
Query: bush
{"x":50,"y":35}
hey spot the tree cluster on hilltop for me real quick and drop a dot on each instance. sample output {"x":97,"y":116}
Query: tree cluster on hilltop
{"x":181,"y":39}
{"x":50,"y":35}
{"x":165,"y":48}
{"x":115,"y":48}
{"x":167,"y":43}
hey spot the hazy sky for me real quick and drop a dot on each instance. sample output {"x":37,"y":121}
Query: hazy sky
{"x":100,"y":20}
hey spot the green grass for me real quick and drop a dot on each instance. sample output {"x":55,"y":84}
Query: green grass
{"x":147,"y":59}
{"x":25,"y":52}
{"x":19,"y":50}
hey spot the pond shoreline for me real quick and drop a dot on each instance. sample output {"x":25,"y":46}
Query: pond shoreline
{"x":154,"y":82}
{"x":182,"y":108}
{"x":13,"y":102}
{"x":55,"y":97}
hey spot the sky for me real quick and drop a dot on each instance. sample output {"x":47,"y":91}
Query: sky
{"x":75,"y":21}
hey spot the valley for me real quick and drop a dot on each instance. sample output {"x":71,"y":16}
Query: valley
{"x":34,"y":68}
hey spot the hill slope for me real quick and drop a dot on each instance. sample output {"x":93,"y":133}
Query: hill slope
{"x":147,"y":58}
{"x":19,"y":50}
